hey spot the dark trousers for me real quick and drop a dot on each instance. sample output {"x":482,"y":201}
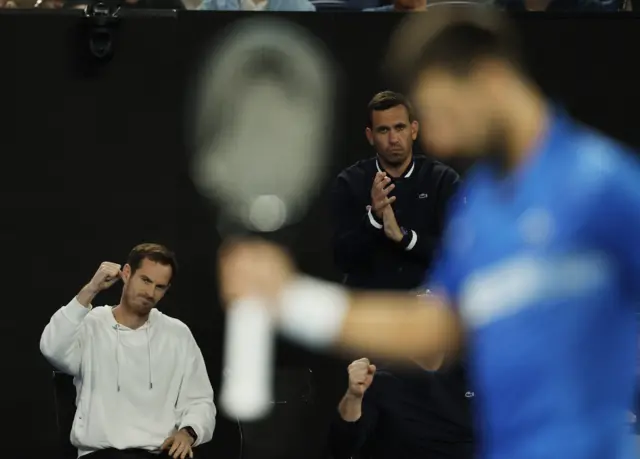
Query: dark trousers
{"x":111,"y":453}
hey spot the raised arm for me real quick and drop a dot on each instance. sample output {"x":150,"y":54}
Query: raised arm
{"x":61,"y":340}
{"x":357,"y":415}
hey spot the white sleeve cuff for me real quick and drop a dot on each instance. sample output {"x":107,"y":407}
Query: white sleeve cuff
{"x":312,"y":312}
{"x":373,"y":221}
{"x":413,"y":241}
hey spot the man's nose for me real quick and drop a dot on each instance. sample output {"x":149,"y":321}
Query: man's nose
{"x":393,"y":137}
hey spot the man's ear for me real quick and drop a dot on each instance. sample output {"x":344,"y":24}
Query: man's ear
{"x":126,"y":273}
{"x":369,"y":135}
{"x":415,"y":128}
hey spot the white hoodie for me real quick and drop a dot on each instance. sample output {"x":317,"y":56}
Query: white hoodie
{"x":134,"y":388}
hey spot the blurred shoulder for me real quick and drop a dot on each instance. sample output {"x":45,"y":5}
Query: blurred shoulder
{"x":599,"y":160}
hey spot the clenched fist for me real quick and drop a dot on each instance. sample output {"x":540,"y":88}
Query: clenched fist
{"x":250,"y":269}
{"x":361,"y":374}
{"x":107,"y":274}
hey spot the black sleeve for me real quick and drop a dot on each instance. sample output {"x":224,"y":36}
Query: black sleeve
{"x":347,"y":438}
{"x":354,"y":231}
{"x":422,"y":244}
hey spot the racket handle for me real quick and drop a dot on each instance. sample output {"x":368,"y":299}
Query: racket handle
{"x":248,"y":361}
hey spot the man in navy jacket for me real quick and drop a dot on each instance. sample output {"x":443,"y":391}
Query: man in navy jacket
{"x":389,"y":210}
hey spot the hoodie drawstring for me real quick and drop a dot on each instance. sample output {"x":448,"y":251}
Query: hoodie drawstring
{"x":149,"y":359}
{"x":117,"y":327}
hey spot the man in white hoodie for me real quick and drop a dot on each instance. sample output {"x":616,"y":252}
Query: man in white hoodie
{"x":142,"y":385}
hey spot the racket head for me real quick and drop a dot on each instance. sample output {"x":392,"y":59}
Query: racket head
{"x":264,"y":99}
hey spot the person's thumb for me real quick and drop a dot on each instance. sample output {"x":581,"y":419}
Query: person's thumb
{"x":372,"y":369}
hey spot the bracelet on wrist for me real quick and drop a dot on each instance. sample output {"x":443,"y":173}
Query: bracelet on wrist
{"x":192,"y":433}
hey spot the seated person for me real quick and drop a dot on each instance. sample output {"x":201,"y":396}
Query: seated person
{"x":419,"y":411}
{"x":142,"y":385}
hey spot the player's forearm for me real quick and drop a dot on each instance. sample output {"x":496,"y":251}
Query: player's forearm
{"x":86,"y":295}
{"x":350,"y":408}
{"x":392,"y":325}
{"x":395,"y":325}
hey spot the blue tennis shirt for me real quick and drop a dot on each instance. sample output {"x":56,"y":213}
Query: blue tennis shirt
{"x":544,"y":267}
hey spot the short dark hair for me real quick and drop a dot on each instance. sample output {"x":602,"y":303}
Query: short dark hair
{"x":458,"y":48}
{"x":153,"y":252}
{"x":454,"y":39}
{"x":384,"y":101}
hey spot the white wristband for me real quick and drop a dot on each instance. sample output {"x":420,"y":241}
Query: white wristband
{"x":413,"y":241}
{"x":312,"y":312}
{"x":372,"y":220}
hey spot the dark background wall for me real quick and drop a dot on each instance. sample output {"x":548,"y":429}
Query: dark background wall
{"x":94,"y":162}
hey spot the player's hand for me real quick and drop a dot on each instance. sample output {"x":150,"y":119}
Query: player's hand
{"x":380,"y":193}
{"x":390,"y":224}
{"x":107,"y":274}
{"x":178,"y":445}
{"x":250,"y":269}
{"x":361,"y":374}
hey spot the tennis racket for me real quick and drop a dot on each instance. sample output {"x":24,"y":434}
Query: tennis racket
{"x":264,"y":106}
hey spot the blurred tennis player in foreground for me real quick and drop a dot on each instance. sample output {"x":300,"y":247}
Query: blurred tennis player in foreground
{"x":539,"y":270}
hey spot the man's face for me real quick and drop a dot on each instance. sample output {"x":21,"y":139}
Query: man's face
{"x":144,"y":288}
{"x":458,"y":115}
{"x":392,"y":134}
